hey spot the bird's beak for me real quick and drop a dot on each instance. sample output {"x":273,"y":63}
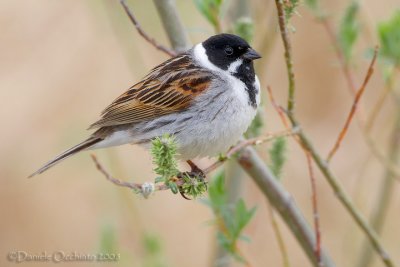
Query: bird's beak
{"x":251,"y":54}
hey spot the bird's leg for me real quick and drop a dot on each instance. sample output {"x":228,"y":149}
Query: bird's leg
{"x":196,"y":170}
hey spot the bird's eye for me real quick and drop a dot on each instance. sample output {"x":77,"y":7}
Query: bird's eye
{"x":228,"y":50}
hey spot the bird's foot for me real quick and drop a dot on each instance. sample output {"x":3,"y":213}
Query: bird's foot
{"x":196,"y":174}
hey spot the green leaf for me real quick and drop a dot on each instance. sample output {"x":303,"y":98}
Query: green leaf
{"x":216,"y":191}
{"x":108,"y":240}
{"x":193,"y":186}
{"x":244,"y":27}
{"x":312,"y":4}
{"x":349,"y":29}
{"x":290,"y":8}
{"x":164,"y":151}
{"x":277,"y":155}
{"x":231,"y":218}
{"x":210,"y":10}
{"x":243,"y":217}
{"x":153,"y":251}
{"x":389,"y":37}
{"x":174,"y":187}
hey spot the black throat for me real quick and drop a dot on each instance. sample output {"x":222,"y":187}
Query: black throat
{"x":245,"y":73}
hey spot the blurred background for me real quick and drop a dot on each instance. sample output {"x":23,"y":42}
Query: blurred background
{"x":62,"y":62}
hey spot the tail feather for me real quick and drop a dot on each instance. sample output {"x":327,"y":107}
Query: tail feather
{"x":66,"y":154}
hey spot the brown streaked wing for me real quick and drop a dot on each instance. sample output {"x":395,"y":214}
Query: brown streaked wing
{"x":169,"y":87}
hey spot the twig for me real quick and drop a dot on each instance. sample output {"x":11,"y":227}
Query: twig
{"x":345,"y":200}
{"x":268,"y":184}
{"x":315,"y":209}
{"x":338,"y":51}
{"x":354,"y":106}
{"x":279,"y":238}
{"x":389,"y":84}
{"x":142,"y":33}
{"x":288,"y":54}
{"x":386,"y":191}
{"x":134,"y":186}
{"x":172,"y":25}
{"x":283,"y":202}
{"x":332,"y":180}
{"x":365,"y":124}
{"x":250,"y":142}
{"x":278,"y":108}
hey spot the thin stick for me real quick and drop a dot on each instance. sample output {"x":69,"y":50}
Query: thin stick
{"x":317,"y":248}
{"x":332,"y":180}
{"x":134,"y":186}
{"x":179,"y":181}
{"x":315,"y":209}
{"x":354,"y":106}
{"x":338,"y":51}
{"x":277,"y":107}
{"x":142,"y":33}
{"x":251,"y":142}
{"x":278,"y":236}
{"x":288,"y":54}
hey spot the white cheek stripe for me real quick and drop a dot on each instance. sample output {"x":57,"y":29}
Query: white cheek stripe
{"x":202,"y":58}
{"x":200,"y":55}
{"x":234,"y":66}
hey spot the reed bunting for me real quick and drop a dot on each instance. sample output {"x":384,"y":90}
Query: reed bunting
{"x":206,"y":97}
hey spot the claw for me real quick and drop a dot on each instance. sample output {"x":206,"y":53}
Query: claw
{"x":184,"y":196}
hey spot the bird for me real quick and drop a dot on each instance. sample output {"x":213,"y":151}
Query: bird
{"x":206,"y":97}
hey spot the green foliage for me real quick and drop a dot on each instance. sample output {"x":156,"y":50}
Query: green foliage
{"x":108,"y":240}
{"x":210,"y":10}
{"x":255,"y":126}
{"x":389,"y":37}
{"x":231,"y":219}
{"x":193,"y":186}
{"x":349,"y":29}
{"x":153,"y":251}
{"x":277,"y":155}
{"x":244,"y":27}
{"x":164,"y":150}
{"x":290,"y":8}
{"x":312,"y":4}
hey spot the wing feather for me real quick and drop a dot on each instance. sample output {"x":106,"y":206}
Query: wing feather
{"x":169,"y":87}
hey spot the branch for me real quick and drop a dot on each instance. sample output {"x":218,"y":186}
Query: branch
{"x":279,"y":237}
{"x":365,"y":124}
{"x":344,"y":199}
{"x":338,"y":51}
{"x":306,"y":143}
{"x":268,"y":184}
{"x":354,"y":106}
{"x":172,"y":25}
{"x":386,"y":191}
{"x":145,"y":189}
{"x":315,"y":208}
{"x":283,"y":202}
{"x":142,"y":33}
{"x":288,"y":53}
{"x":142,"y":188}
{"x":250,"y":142}
{"x":278,"y":108}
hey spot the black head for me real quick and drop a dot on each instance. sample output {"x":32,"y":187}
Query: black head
{"x":223,"y":49}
